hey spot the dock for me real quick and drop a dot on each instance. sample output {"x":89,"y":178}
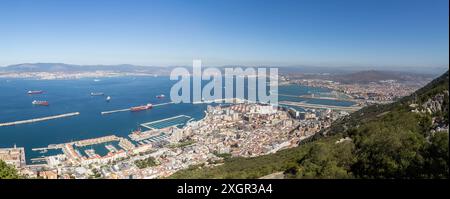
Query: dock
{"x":38,"y":159}
{"x":39,"y":119}
{"x":127,"y":109}
{"x":49,"y":147}
{"x":115,"y":111}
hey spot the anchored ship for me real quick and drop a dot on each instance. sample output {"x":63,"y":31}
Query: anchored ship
{"x":34,"y":92}
{"x":42,"y":103}
{"x":141,"y":108}
{"x":97,"y":94}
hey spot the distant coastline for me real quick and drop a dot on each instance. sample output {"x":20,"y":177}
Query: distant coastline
{"x":68,"y":75}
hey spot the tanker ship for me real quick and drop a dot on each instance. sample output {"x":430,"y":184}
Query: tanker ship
{"x":35,"y":92}
{"x":141,"y":108}
{"x":41,"y":103}
{"x":97,"y":94}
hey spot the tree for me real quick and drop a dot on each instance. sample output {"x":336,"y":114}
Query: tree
{"x":390,"y":148}
{"x":325,"y":160}
{"x":7,"y":171}
{"x":436,"y":165}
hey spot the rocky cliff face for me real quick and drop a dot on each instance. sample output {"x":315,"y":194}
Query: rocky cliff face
{"x":436,"y":103}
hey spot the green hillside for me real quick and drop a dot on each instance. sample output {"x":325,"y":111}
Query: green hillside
{"x":398,"y":140}
{"x":7,"y":171}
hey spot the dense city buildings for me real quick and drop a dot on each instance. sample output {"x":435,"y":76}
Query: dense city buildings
{"x":14,"y":156}
{"x":384,"y":91}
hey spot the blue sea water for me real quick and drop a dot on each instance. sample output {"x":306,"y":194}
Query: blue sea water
{"x":67,"y":96}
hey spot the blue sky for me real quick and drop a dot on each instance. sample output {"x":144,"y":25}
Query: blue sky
{"x":226,"y":32}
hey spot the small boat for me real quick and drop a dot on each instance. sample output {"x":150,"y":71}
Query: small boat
{"x":96,"y":80}
{"x":160,"y":96}
{"x":43,"y":151}
{"x":108,"y":98}
{"x":41,"y":103}
{"x":97,"y":94}
{"x":35,"y":92}
{"x":136,"y":132}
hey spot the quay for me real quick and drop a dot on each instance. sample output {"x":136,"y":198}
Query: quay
{"x":98,"y":140}
{"x":38,"y":159}
{"x":50,"y":146}
{"x":39,"y":119}
{"x":39,"y":149}
{"x":320,"y":106}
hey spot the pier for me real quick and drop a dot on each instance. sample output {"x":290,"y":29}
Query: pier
{"x":162,"y":104}
{"x":127,"y":109}
{"x":41,"y":159}
{"x":49,"y":147}
{"x":98,"y":140}
{"x":38,"y":119}
{"x":115,"y":111}
{"x":167,"y":122}
{"x":320,"y":106}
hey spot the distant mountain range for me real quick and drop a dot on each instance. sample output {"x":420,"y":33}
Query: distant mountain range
{"x":61,"y":67}
{"x":339,"y":73}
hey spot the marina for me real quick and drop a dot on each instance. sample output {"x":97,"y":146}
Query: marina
{"x":111,"y":148}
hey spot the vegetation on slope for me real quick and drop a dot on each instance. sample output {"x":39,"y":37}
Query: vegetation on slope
{"x":147,"y":162}
{"x":384,"y":141}
{"x":255,"y":167}
{"x":7,"y":171}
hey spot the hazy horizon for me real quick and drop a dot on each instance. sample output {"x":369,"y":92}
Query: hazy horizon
{"x":307,"y":68}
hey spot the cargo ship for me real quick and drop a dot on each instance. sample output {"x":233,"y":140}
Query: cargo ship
{"x":160,"y":96}
{"x":41,"y":103}
{"x":97,"y":94}
{"x":35,"y":92}
{"x":141,"y":108}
